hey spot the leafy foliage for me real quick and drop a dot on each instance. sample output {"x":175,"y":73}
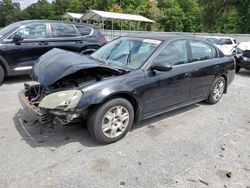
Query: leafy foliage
{"x":225,"y":16}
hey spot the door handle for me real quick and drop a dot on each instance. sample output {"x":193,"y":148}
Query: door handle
{"x":43,"y":43}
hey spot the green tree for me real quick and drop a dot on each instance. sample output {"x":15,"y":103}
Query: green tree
{"x":9,"y":12}
{"x":151,"y":11}
{"x":40,"y":10}
{"x":59,"y":7}
{"x":171,"y":15}
{"x":243,"y":18}
{"x":226,"y":23}
{"x":74,"y":6}
{"x":192,"y":21}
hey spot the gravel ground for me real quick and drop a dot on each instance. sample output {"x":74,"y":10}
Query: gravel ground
{"x":196,"y":146}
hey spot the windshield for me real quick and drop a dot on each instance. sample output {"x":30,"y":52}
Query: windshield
{"x":126,"y":53}
{"x":8,"y":28}
{"x":214,"y":41}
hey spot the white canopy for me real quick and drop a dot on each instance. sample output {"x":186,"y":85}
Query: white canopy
{"x":103,"y":15}
{"x":69,"y":15}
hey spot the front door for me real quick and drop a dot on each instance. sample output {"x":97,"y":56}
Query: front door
{"x":22,"y":54}
{"x":166,"y":89}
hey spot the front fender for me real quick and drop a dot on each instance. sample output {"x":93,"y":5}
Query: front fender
{"x":5,"y":65}
{"x":94,"y":97}
{"x":127,"y":84}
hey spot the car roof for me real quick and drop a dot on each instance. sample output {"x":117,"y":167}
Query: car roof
{"x":54,"y":21}
{"x":163,"y":36}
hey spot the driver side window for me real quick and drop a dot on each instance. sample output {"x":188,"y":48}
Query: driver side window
{"x":174,"y":53}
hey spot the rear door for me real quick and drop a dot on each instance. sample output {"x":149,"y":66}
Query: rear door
{"x":205,"y":64}
{"x":65,"y":36}
{"x":35,"y":43}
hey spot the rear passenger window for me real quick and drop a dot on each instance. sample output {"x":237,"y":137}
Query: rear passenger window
{"x":202,"y":51}
{"x":83,"y":30}
{"x":62,"y":30}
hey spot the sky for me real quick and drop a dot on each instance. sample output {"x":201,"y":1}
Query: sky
{"x":26,"y":3}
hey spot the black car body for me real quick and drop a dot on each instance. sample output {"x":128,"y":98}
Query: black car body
{"x":242,"y":56}
{"x":147,"y":75}
{"x":23,"y":42}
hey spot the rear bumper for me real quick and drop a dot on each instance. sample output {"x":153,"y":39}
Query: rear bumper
{"x":33,"y":111}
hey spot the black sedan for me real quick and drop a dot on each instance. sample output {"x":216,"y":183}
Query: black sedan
{"x":23,"y":42}
{"x":130,"y":79}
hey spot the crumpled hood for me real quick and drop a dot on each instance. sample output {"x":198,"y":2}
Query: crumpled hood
{"x":57,"y":63}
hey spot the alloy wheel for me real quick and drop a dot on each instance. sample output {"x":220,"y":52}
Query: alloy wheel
{"x":115,"y":121}
{"x":218,"y":90}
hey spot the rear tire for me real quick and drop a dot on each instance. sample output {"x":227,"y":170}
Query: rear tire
{"x":216,"y":91}
{"x":1,"y":74}
{"x":111,"y":121}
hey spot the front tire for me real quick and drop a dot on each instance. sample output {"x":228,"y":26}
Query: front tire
{"x":111,"y":121}
{"x":1,"y":75}
{"x":216,"y":91}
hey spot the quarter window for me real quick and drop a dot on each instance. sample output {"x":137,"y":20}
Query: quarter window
{"x":202,"y":51}
{"x":83,"y":30}
{"x":174,"y":53}
{"x":63,"y":30}
{"x":35,"y":31}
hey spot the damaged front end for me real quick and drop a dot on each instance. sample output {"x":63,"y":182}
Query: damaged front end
{"x":61,"y":77}
{"x":58,"y":107}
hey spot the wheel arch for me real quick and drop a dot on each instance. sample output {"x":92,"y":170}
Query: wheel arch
{"x":4,"y":65}
{"x":128,"y":96}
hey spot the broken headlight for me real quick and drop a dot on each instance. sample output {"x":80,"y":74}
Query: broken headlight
{"x":64,"y":100}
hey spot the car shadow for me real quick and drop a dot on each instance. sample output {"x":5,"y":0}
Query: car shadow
{"x":16,"y":79}
{"x":37,"y":135}
{"x":244,"y":73}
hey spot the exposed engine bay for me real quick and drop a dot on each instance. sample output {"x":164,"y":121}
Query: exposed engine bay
{"x":78,"y":80}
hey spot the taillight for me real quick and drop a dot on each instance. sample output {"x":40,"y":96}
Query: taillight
{"x":103,"y":41}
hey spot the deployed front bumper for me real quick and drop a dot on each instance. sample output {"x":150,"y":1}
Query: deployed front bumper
{"x":33,"y":110}
{"x":45,"y":116}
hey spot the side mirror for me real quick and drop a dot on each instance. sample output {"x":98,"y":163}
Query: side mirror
{"x":16,"y":38}
{"x":162,"y":66}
